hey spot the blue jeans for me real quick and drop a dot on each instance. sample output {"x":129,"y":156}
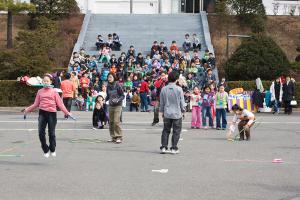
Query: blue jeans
{"x":144,"y":101}
{"x":206,"y":112}
{"x":221,"y":113}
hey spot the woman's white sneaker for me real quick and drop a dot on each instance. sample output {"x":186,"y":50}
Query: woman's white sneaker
{"x":46,"y":155}
{"x":118,"y":141}
{"x":53,"y":154}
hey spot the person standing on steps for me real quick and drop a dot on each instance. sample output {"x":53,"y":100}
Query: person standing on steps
{"x":172,"y":107}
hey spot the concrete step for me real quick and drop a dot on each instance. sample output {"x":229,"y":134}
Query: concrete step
{"x":142,"y":30}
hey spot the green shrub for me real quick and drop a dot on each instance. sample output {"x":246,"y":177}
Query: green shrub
{"x":13,"y":94}
{"x":258,"y":56}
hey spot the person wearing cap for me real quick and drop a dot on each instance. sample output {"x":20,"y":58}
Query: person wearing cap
{"x":68,"y":89}
{"x":47,"y":100}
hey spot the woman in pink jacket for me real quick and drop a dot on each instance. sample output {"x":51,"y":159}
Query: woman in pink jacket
{"x":47,"y":100}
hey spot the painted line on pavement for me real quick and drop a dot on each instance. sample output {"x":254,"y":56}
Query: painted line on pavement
{"x":88,"y":121}
{"x":85,"y":129}
{"x":11,"y":155}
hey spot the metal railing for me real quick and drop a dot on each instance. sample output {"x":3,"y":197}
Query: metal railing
{"x":82,"y":34}
{"x":207,"y":39}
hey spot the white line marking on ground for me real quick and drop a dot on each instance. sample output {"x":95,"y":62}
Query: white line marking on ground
{"x":162,"y":171}
{"x":85,"y":129}
{"x":148,"y":122}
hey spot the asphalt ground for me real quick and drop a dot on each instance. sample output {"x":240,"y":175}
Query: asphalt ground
{"x":208,"y":167}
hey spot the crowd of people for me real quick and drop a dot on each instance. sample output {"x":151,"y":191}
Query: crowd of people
{"x":142,"y":77}
{"x":139,"y":75}
{"x":168,"y":79}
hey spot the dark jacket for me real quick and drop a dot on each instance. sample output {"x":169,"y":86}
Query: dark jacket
{"x":258,"y":98}
{"x":115,"y":94}
{"x":100,"y":115}
{"x":288,"y":91}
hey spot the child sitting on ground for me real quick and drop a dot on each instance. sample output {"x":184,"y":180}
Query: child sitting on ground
{"x":99,"y":113}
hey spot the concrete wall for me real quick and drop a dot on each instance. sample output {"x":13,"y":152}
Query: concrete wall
{"x":145,"y":7}
{"x":123,"y":6}
{"x":111,"y":6}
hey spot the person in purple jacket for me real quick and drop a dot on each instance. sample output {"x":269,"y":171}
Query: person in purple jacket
{"x":207,"y":102}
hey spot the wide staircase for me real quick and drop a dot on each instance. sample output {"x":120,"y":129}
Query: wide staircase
{"x":142,"y":30}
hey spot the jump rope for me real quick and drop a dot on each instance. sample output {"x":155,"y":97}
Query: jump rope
{"x":256,"y":123}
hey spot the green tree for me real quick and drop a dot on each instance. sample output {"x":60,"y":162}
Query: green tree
{"x":13,"y":7}
{"x":258,"y":56}
{"x":55,"y":8}
{"x":250,"y":12}
{"x":40,"y":40}
{"x":34,"y":53}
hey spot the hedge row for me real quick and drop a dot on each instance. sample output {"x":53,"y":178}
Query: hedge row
{"x":13,"y":93}
{"x":247,"y":85}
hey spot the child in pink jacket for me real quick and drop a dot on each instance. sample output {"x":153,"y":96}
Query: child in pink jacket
{"x":47,"y":100}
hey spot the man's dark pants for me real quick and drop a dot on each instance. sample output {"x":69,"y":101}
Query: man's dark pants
{"x":176,"y":124}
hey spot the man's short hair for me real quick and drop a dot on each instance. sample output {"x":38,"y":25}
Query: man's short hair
{"x":172,"y":77}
